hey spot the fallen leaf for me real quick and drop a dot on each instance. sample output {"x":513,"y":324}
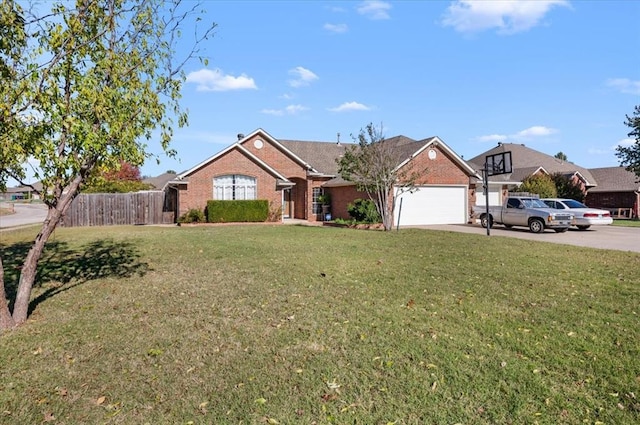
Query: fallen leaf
{"x":100,"y":400}
{"x":48,"y":417}
{"x":329,"y":397}
{"x":411,"y":303}
{"x":333,"y":385}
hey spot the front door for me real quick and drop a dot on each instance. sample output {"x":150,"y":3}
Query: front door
{"x":286,"y":203}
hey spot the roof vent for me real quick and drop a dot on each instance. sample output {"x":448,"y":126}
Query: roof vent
{"x":338,"y":142}
{"x":499,"y":143}
{"x":240,"y":136}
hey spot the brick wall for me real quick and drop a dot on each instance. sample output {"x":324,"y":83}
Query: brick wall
{"x":275,"y":158}
{"x":200,"y":187}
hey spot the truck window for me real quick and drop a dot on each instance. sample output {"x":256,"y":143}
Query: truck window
{"x":513,"y":203}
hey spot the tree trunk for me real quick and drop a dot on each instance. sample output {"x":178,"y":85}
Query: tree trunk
{"x":30,"y":267}
{"x":6,"y":321}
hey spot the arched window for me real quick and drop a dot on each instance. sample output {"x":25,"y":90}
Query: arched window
{"x":234,"y":186}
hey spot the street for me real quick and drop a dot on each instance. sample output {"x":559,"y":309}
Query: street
{"x":604,"y":237}
{"x":24,"y":214}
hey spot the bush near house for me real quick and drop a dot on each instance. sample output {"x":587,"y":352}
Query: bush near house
{"x":194,"y":215}
{"x":364,"y":211}
{"x":237,"y":211}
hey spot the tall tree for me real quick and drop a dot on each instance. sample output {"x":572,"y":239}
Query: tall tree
{"x":373,"y":165}
{"x":630,"y":155}
{"x":568,"y":187}
{"x":125,"y":178}
{"x":561,"y":156}
{"x":87,"y":84}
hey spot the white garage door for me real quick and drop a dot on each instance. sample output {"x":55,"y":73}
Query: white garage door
{"x":495,"y":195}
{"x":432,"y":205}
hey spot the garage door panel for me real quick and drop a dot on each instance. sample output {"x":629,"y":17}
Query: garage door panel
{"x":495,"y":196}
{"x":433,"y":205}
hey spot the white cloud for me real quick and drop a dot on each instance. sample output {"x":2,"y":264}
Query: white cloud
{"x":625,"y":142}
{"x":528,"y":133}
{"x":535,"y":131}
{"x":624,"y":85}
{"x":491,"y":138}
{"x":374,"y":9}
{"x":275,"y":112}
{"x":336,"y":28}
{"x":507,"y":16}
{"x":350,"y":106}
{"x":294,"y":109}
{"x":289,"y":110}
{"x":216,"y":80}
{"x":303,"y":77}
{"x":608,"y":150}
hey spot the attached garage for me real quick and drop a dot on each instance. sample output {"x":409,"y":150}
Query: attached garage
{"x":432,"y":205}
{"x":495,"y":195}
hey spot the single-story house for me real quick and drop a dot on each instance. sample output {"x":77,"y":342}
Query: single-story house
{"x":618,"y":191}
{"x":525,"y":162}
{"x":19,"y":193}
{"x":293,"y":174}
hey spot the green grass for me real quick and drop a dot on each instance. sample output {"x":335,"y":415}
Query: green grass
{"x":289,"y":324}
{"x":627,"y":223}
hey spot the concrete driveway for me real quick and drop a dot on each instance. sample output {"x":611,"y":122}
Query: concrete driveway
{"x":24,"y":214}
{"x":603,"y":237}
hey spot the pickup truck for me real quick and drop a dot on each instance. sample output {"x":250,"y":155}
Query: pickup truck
{"x":525,"y":211}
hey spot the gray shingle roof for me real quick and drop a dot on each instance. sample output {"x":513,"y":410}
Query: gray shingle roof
{"x":524,"y":158}
{"x":615,"y":179}
{"x":159,"y":182}
{"x":322,"y":155}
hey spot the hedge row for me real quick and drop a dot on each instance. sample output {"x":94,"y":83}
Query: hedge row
{"x":237,"y":211}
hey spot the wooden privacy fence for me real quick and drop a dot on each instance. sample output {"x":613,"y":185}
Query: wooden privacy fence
{"x":105,"y":209}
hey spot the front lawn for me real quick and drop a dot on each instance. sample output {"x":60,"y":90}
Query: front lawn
{"x":627,"y":223}
{"x":262,"y":324}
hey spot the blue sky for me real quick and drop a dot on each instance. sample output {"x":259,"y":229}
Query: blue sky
{"x":555,"y":75}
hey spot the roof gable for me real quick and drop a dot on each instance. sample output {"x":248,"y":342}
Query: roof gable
{"x":243,"y":150}
{"x":523,"y":158}
{"x":435,"y":141}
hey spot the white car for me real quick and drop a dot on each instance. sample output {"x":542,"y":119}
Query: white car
{"x":585,"y":217}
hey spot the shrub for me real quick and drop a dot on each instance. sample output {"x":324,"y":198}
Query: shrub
{"x":364,"y":211}
{"x":541,"y":184}
{"x":237,"y":211}
{"x":192,"y":216}
{"x":567,"y":187}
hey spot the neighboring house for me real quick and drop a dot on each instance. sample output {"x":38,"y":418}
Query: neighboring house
{"x":618,"y":191}
{"x":291,"y":175}
{"x":160,"y":182}
{"x":170,"y":203}
{"x":19,"y":193}
{"x":525,"y":162}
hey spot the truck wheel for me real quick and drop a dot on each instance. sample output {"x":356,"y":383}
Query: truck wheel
{"x":583,"y":227}
{"x":561,"y":230}
{"x":536,"y":225}
{"x":484,"y":219}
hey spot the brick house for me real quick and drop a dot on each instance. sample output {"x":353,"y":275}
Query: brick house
{"x":291,"y":175}
{"x":618,"y":191}
{"x":525,"y":162}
